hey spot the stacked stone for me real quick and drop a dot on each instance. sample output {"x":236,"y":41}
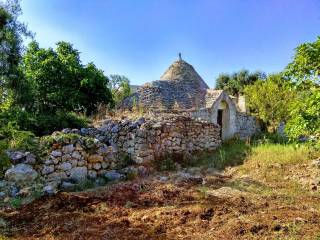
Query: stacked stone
{"x":180,"y":87}
{"x":75,"y":155}
{"x":78,"y":159}
{"x":147,"y":140}
{"x":247,"y":125}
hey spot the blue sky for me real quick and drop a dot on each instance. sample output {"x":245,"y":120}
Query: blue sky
{"x":141,"y":38}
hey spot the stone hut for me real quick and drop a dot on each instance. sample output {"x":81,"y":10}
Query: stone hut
{"x":181,"y":89}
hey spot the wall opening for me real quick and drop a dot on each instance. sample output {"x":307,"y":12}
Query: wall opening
{"x":219,"y":120}
{"x":223,"y":119}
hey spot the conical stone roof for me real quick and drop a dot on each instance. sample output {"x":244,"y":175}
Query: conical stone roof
{"x":182,"y":71}
{"x":180,"y":87}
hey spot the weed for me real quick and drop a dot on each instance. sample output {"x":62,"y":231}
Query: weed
{"x":85,"y":184}
{"x":131,"y":175}
{"x":230,"y":153}
{"x":129,"y":204}
{"x":203,"y":192}
{"x":15,"y":202}
{"x":167,"y":164}
{"x":124,"y":160}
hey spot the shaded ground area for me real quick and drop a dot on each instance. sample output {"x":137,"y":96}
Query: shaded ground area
{"x":261,"y":199}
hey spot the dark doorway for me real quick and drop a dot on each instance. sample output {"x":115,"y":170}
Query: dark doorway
{"x":219,"y":120}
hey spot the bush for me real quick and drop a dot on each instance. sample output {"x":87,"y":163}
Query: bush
{"x":46,"y":124}
{"x":230,"y":153}
{"x":167,"y":164}
{"x":42,"y":124}
{"x":266,"y":138}
{"x":13,"y":138}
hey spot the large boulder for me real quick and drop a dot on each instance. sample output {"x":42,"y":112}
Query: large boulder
{"x":79,"y":174}
{"x":21,"y":174}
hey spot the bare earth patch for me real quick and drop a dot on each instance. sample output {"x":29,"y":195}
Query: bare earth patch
{"x":263,"y":203}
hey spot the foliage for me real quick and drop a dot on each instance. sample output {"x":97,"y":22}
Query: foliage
{"x":305,"y":115}
{"x":18,"y":139}
{"x":11,"y":137}
{"x":305,"y":71}
{"x":270,"y":138}
{"x":42,"y":123}
{"x":59,"y":81}
{"x":230,"y":153}
{"x":270,"y":99}
{"x":11,"y":41}
{"x":15,"y":202}
{"x":47,"y":123}
{"x":84,"y":185}
{"x":124,"y":160}
{"x":167,"y":164}
{"x":305,"y":67}
{"x":270,"y":154}
{"x":235,"y":83}
{"x":120,"y":87}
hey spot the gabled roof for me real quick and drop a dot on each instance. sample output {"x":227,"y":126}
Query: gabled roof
{"x":211,"y":96}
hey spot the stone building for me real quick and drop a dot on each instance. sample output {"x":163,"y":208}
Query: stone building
{"x":182,"y":90}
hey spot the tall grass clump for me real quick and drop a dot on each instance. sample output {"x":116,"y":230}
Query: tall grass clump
{"x":269,"y":153}
{"x":230,"y":153}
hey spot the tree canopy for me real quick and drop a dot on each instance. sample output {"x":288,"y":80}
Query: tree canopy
{"x":59,"y":81}
{"x":304,"y":70}
{"x":235,"y":83}
{"x":269,"y":99}
{"x":306,"y":63}
{"x":12,"y":32}
{"x":120,"y":87}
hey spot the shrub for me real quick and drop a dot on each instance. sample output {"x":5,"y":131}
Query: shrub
{"x":230,"y":153}
{"x":166,"y":164}
{"x":13,"y":138}
{"x":124,"y":160}
{"x":42,"y":124}
{"x":46,"y":124}
{"x":267,"y":138}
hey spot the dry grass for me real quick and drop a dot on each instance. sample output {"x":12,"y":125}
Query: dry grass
{"x":263,"y":198}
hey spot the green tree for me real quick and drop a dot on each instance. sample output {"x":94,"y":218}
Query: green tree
{"x":305,"y":66}
{"x":11,"y":47}
{"x":120,"y":87}
{"x":305,"y":115}
{"x":304,"y":70}
{"x":94,"y":89}
{"x":270,"y":100}
{"x":235,"y":83}
{"x":60,"y":82}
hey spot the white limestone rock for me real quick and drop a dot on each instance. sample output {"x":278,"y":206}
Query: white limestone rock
{"x":79,"y":173}
{"x":21,"y":174}
{"x":66,"y":166}
{"x":68,"y":149}
{"x":56,"y":153}
{"x":47,"y":169}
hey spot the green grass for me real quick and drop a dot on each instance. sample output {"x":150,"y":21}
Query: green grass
{"x":84,"y":185}
{"x":266,"y":154}
{"x":230,"y":153}
{"x":15,"y":202}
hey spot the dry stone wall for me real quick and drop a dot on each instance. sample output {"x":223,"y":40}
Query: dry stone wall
{"x":99,"y":150}
{"x":77,"y":157}
{"x":247,"y":125}
{"x":73,"y":155}
{"x":145,"y":141}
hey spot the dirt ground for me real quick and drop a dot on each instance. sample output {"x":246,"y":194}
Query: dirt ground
{"x":230,"y":205}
